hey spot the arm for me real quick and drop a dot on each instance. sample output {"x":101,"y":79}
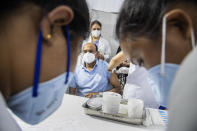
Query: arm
{"x":73,"y":85}
{"x":116,"y":60}
{"x":89,"y":95}
{"x":125,"y":64}
{"x":115,"y":83}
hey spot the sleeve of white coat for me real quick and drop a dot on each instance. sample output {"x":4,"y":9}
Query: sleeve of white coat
{"x":182,"y":104}
{"x":137,"y":86}
{"x":107,"y":52}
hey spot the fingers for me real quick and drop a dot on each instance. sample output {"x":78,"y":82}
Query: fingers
{"x":89,"y":95}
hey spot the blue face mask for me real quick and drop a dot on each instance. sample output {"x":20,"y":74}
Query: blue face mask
{"x":163,"y":82}
{"x":164,"y":73}
{"x":36,"y":103}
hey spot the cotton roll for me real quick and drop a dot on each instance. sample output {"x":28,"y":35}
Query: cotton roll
{"x":135,"y":108}
{"x":111,"y":102}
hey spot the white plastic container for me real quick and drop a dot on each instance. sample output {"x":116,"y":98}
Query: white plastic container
{"x":111,"y":102}
{"x":135,"y":108}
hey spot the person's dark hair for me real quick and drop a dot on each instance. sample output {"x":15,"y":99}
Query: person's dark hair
{"x":143,"y":17}
{"x":79,"y":25}
{"x":95,"y":22}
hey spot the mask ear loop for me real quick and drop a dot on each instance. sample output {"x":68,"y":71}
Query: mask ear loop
{"x":193,"y":39}
{"x":164,"y":27}
{"x":163,"y":48}
{"x":37,"y":65}
{"x":68,"y":54}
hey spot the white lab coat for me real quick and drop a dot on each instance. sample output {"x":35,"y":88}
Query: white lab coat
{"x":183,"y":97}
{"x":103,"y":47}
{"x":137,"y":86}
{"x":7,"y":123}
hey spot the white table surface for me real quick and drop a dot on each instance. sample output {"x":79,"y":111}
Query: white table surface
{"x":71,"y":117}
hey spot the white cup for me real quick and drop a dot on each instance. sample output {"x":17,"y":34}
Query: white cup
{"x":135,"y":108}
{"x":111,"y":102}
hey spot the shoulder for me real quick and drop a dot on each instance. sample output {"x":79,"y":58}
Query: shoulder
{"x":103,"y":63}
{"x":78,"y":68}
{"x":103,"y":40}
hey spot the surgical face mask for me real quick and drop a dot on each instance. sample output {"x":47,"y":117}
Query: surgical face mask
{"x":33,"y":110}
{"x":96,"y":33}
{"x":164,"y":73}
{"x":89,"y":57}
{"x":39,"y":101}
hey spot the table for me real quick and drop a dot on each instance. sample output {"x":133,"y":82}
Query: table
{"x":71,"y":117}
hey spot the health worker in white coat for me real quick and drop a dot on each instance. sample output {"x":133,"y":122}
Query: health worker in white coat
{"x":96,"y":38}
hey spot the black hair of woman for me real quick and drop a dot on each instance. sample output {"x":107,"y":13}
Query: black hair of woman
{"x":144,"y":17}
{"x":79,"y":25}
{"x":95,"y":22}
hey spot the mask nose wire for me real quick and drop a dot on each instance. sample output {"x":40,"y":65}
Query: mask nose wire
{"x":163,"y":46}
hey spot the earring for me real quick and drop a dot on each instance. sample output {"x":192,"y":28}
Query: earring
{"x":49,"y":36}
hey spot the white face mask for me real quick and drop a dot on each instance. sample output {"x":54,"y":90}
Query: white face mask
{"x":35,"y":109}
{"x":96,"y":33}
{"x":89,"y":57}
{"x":164,"y":73}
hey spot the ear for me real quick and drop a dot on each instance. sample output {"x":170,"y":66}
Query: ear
{"x":60,"y":16}
{"x":179,"y":18}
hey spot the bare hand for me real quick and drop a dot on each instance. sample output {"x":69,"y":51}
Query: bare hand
{"x":101,"y":56}
{"x":90,"y":95}
{"x":125,"y":64}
